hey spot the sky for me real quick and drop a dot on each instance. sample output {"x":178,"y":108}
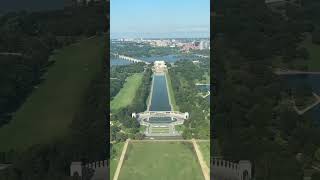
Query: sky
{"x":30,"y":5}
{"x":159,"y":18}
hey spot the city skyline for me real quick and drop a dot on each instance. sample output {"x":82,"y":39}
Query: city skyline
{"x":160,"y":19}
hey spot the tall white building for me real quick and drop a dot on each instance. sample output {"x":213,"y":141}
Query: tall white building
{"x":204,"y":45}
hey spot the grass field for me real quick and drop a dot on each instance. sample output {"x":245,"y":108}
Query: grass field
{"x":127,"y":93}
{"x":160,"y":161}
{"x":205,"y":149}
{"x":48,"y":111}
{"x":114,"y":161}
{"x":171,"y":94}
{"x":314,"y":53}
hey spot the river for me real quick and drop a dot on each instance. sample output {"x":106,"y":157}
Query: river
{"x":159,"y":98}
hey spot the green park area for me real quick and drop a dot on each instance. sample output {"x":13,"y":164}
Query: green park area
{"x":114,"y":157}
{"x":51,"y":107}
{"x":205,"y":149}
{"x":159,"y":161}
{"x":127,"y":93}
{"x":314,"y":54}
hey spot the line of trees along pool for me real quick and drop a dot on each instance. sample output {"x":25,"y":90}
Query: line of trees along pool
{"x":36,"y":35}
{"x":131,"y":125}
{"x":119,"y":74}
{"x":184,"y":75}
{"x":84,"y":142}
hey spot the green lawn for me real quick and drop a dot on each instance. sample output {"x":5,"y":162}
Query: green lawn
{"x":49,"y":110}
{"x":171,"y":93}
{"x":114,"y":161}
{"x":205,"y":149}
{"x":160,"y":161}
{"x":160,"y":130}
{"x":127,"y":93}
{"x":314,"y":53}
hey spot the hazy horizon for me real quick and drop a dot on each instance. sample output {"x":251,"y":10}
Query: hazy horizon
{"x":160,"y":19}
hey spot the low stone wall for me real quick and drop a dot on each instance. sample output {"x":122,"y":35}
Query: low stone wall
{"x":222,"y":169}
{"x":96,"y":164}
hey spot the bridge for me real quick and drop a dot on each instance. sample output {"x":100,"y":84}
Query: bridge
{"x":201,"y":56}
{"x":294,"y":72}
{"x":202,"y":84}
{"x":129,"y":58}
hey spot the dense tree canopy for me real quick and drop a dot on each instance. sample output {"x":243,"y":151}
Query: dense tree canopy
{"x":253,"y":116}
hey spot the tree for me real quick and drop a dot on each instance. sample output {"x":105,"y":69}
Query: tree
{"x":315,"y":176}
{"x":317,"y":154}
{"x":139,"y":136}
{"x":316,"y":37}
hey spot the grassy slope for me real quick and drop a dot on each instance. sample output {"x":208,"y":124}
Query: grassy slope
{"x":314,"y":52}
{"x":114,"y":162}
{"x":49,"y":110}
{"x":127,"y":93}
{"x":205,"y":149}
{"x":159,"y":161}
{"x":171,"y":93}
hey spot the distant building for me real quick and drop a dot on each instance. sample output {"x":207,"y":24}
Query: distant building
{"x":204,"y":45}
{"x":196,"y":62}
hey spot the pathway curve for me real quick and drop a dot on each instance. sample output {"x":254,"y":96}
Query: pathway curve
{"x":300,"y":112}
{"x":124,"y":150}
{"x":203,"y":164}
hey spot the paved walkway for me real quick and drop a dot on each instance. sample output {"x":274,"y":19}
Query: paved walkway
{"x":124,"y":150}
{"x":14,"y":54}
{"x":292,"y":72}
{"x":202,"y":162}
{"x":150,"y":95}
{"x":300,"y":112}
{"x":168,"y":92}
{"x":170,"y":140}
